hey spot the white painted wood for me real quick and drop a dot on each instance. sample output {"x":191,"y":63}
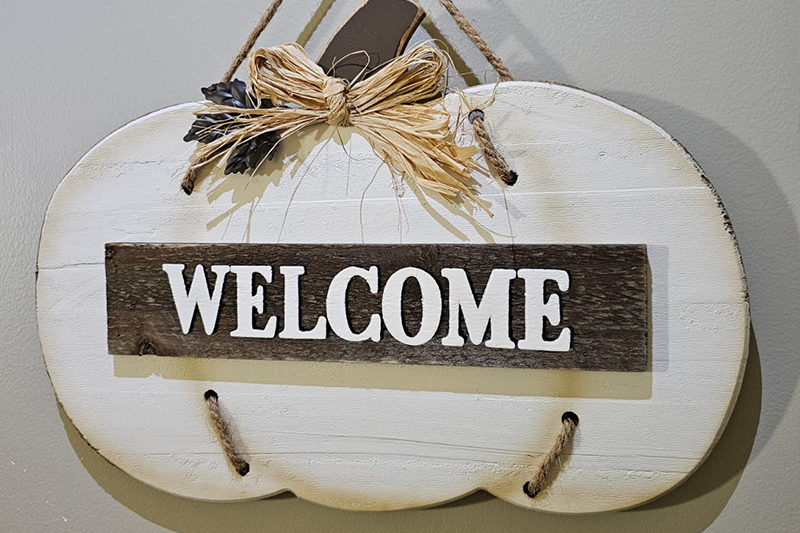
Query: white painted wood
{"x":361,"y":436}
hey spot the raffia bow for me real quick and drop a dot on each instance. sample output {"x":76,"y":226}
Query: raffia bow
{"x":398,"y":110}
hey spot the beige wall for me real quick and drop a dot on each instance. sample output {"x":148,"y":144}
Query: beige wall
{"x":723,"y":76}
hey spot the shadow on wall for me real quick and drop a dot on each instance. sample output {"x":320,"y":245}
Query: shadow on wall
{"x":767,"y":232}
{"x":689,"y":508}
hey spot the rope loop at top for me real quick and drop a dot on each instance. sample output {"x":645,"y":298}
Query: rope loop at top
{"x":336,"y":96}
{"x":469,"y":30}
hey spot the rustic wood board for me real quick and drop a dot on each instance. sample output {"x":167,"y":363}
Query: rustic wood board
{"x":603,"y":309}
{"x":591,"y":172}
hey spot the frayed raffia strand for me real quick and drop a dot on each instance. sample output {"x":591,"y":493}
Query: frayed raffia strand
{"x":413,"y":139}
{"x":569,"y":423}
{"x":223,"y":432}
{"x":494,"y":159}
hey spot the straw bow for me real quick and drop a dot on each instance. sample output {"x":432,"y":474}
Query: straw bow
{"x":398,"y":110}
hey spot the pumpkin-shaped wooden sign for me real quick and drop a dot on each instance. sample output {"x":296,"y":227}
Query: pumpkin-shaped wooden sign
{"x":329,"y":324}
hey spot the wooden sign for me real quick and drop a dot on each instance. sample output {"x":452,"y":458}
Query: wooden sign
{"x":522,"y":306}
{"x":386,"y":436}
{"x":329,"y":250}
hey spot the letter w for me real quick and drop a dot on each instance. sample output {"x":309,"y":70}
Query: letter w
{"x":198,"y":296}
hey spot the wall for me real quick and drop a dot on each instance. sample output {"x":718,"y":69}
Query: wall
{"x":720,"y":75}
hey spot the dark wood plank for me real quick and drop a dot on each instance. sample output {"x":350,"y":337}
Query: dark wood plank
{"x":382,"y":28}
{"x":605,"y":307}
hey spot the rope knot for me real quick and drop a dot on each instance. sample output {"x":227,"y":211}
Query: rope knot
{"x":334,"y":90}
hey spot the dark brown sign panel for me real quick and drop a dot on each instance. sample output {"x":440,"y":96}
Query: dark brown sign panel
{"x":522,"y":306}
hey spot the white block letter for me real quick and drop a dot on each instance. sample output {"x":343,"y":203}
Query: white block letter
{"x":291,"y":308}
{"x":198,"y":296}
{"x":247,"y":300}
{"x":392,"y":306}
{"x":494,"y":306}
{"x":337,"y":304}
{"x":537,"y":309}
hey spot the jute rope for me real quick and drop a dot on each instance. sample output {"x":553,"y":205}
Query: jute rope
{"x":497,"y":163}
{"x":223,"y":432}
{"x":495,"y":160}
{"x":477,"y":40}
{"x":569,"y":423}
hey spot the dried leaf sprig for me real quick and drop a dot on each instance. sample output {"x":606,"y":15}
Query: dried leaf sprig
{"x":209,"y":127}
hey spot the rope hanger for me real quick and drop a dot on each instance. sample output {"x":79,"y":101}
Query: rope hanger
{"x":498,"y":166}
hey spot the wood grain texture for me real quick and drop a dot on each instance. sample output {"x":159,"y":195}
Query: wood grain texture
{"x":591,"y":172}
{"x":381,"y":28}
{"x":605,"y":307}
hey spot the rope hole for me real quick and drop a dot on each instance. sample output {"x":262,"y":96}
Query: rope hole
{"x":569,"y":415}
{"x":476,"y":113}
{"x":526,"y":488}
